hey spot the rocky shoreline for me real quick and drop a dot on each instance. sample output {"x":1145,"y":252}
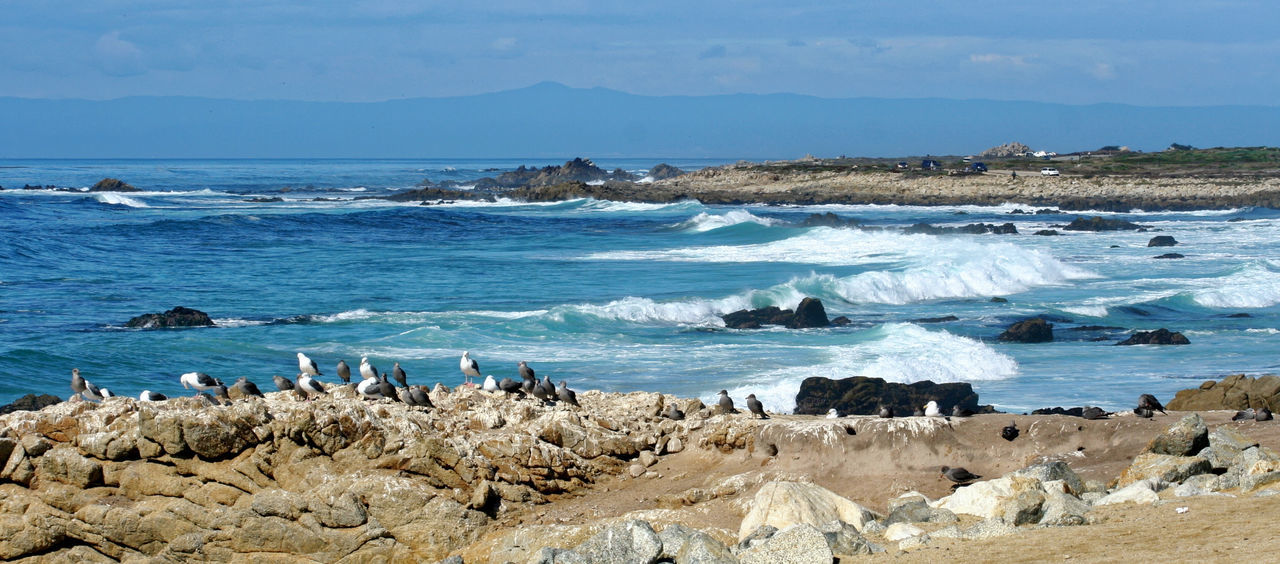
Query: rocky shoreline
{"x":485,"y":478}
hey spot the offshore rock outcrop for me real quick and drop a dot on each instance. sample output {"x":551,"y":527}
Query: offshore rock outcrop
{"x":862,"y":395}
{"x":176,"y":317}
{"x":337,"y":479}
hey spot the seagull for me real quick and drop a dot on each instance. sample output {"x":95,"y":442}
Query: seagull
{"x":1247,"y":414}
{"x":406,"y":396}
{"x":886,"y":412}
{"x":957,"y":411}
{"x":1148,"y":401}
{"x":367,"y":370}
{"x":1143,"y":412}
{"x":673,"y":412}
{"x":931,"y":409}
{"x":547,"y":387}
{"x":470,"y":368}
{"x":148,"y":395}
{"x":526,"y":373}
{"x":511,"y":386}
{"x":344,"y":372}
{"x":726,"y":403}
{"x":388,"y":390}
{"x":1093,"y":413}
{"x":246,"y":388}
{"x":77,"y":383}
{"x":755,"y":407}
{"x":566,"y":395}
{"x":370,"y":388}
{"x":833,"y":414}
{"x":1263,"y":414}
{"x":399,"y":375}
{"x":105,"y":393}
{"x":1010,"y":432}
{"x":309,"y":386}
{"x":490,"y":385}
{"x":220,"y":393}
{"x":198,"y":381}
{"x":420,"y":397}
{"x":540,"y":392}
{"x":308,"y":366}
{"x":283,"y":383}
{"x":959,"y":475}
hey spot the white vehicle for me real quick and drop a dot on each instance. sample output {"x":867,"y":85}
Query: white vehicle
{"x":1049,"y":171}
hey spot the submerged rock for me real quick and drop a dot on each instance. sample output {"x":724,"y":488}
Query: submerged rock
{"x":1160,"y":336}
{"x":1162,"y":241}
{"x":113,"y":185}
{"x":1097,"y":223}
{"x":810,"y":313}
{"x":1028,"y":331}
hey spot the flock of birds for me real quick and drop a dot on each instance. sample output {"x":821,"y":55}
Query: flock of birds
{"x":372,"y":386}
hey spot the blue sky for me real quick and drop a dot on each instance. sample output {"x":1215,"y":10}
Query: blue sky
{"x":1134,"y":52}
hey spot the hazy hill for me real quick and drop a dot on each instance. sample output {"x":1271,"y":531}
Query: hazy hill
{"x":552,"y":120}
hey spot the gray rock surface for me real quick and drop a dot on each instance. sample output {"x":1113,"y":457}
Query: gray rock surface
{"x":629,"y":542}
{"x":798,"y":544}
{"x":1186,"y":437}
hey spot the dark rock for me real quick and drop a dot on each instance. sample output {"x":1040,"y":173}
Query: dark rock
{"x":664,"y":171}
{"x":841,"y":321}
{"x":810,"y":313}
{"x":971,"y":229}
{"x":1170,"y":256}
{"x":1162,"y":241}
{"x":1160,"y":336}
{"x":1047,"y":232}
{"x":999,"y":300}
{"x":862,"y":395}
{"x":1101,"y":224}
{"x":1028,"y":331}
{"x":829,"y":220}
{"x":112,"y":185}
{"x":265,"y":200}
{"x":176,"y":317}
{"x":30,"y":402}
{"x":1073,"y":411}
{"x":942,"y":319}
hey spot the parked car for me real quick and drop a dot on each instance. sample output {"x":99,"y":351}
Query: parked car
{"x":930,"y":164}
{"x":978,"y":167}
{"x":902,"y":165}
{"x":1049,"y":171}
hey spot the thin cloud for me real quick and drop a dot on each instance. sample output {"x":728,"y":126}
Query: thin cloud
{"x":1001,"y":60}
{"x":118,"y":57}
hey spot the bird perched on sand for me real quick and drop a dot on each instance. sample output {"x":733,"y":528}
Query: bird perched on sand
{"x":957,"y":411}
{"x":150,"y":396}
{"x":308,"y":366}
{"x":344,"y":372}
{"x":833,"y":414}
{"x":367,"y":370}
{"x":309,"y":386}
{"x":1009,"y":432}
{"x":199,"y":381}
{"x":1093,"y":413}
{"x":673,"y":413}
{"x":399,"y":375}
{"x":755,"y":407}
{"x":931,"y":409}
{"x":959,"y":475}
{"x":246,"y":388}
{"x":470,"y":368}
{"x":1148,"y":401}
{"x":490,"y":384}
{"x":1143,"y":412}
{"x":566,"y":395}
{"x":285,"y":384}
{"x":1245,"y":415}
{"x":726,"y":403}
{"x":885,"y":412}
{"x":1263,"y":414}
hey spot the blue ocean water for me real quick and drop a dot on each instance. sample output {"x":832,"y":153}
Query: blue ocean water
{"x":606,"y":295}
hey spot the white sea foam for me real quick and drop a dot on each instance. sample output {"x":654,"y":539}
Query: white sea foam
{"x":706,"y":222}
{"x":236,"y":322}
{"x":1087,"y":310}
{"x":1255,"y":286}
{"x":898,"y":352}
{"x":115,"y":199}
{"x":644,"y":310}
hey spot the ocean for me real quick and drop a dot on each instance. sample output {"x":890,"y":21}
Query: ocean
{"x":606,"y":295}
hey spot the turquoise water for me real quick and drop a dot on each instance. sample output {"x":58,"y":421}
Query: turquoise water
{"x":606,"y":295}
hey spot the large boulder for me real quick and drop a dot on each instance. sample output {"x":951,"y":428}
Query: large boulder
{"x":1185,"y":438}
{"x":176,"y":317}
{"x":1017,"y":500}
{"x":801,"y":543}
{"x":1141,"y":492}
{"x":810,"y":313}
{"x":783,"y":504}
{"x":624,"y":543}
{"x":1162,"y":241}
{"x":1163,"y":467}
{"x":29,"y":402}
{"x":1028,"y":331}
{"x":663,"y":171}
{"x":1233,"y":392}
{"x":113,"y":185}
{"x":862,"y":395}
{"x":1097,"y":223}
{"x":1160,"y":336}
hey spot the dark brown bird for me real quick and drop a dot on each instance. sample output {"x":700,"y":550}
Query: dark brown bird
{"x":1093,"y":413}
{"x":886,"y":412}
{"x":399,"y":375}
{"x":344,"y":372}
{"x":283,"y":383}
{"x":1009,"y":432}
{"x":420,"y":397}
{"x":959,"y":475}
{"x":1247,"y":414}
{"x":958,"y":411}
{"x":1148,"y":401}
{"x":511,"y":387}
{"x":1143,"y":412}
{"x":566,"y":395}
{"x":726,"y":403}
{"x":756,"y":407}
{"x":1263,"y":414}
{"x":246,"y":388}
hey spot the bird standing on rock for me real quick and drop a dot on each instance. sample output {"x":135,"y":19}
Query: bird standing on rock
{"x":1009,"y":432}
{"x":150,"y":396}
{"x":309,"y":386}
{"x":957,"y":411}
{"x":399,"y":375}
{"x":510,"y":386}
{"x":833,"y":414}
{"x":285,"y":384}
{"x":198,"y":381}
{"x":77,"y":383}
{"x":388,"y":391}
{"x":370,"y":388}
{"x":1093,"y":413}
{"x":246,"y":388}
{"x":726,"y":403}
{"x":547,"y":387}
{"x":886,"y":412}
{"x":490,"y":384}
{"x":420,"y":397}
{"x":344,"y":372}
{"x":308,"y":366}
{"x":470,"y":368}
{"x":1148,"y":401}
{"x":673,"y":413}
{"x":527,"y":379}
{"x":566,"y":395}
{"x":367,"y":370}
{"x":755,"y":407}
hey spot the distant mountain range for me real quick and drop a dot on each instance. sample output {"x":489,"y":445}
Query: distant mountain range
{"x":556,"y":121}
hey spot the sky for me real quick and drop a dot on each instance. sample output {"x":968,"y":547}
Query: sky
{"x":1167,"y":53}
